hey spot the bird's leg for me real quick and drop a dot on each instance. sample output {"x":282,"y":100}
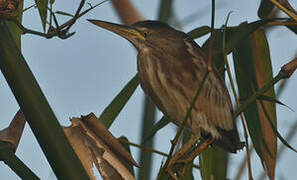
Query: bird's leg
{"x":184,"y":149}
{"x":178,"y":157}
{"x":199,"y":150}
{"x":181,"y":152}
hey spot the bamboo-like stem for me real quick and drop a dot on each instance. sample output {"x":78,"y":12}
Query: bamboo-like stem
{"x":237,"y":103}
{"x":8,"y":157}
{"x":148,"y":119}
{"x":285,"y":10}
{"x":126,"y":11}
{"x":37,"y":111}
{"x":165,"y":9}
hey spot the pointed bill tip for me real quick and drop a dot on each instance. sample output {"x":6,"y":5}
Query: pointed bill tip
{"x":127,"y":32}
{"x":92,"y":20}
{"x":97,"y":22}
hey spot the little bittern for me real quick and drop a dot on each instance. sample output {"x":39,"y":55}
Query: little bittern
{"x":171,"y":67}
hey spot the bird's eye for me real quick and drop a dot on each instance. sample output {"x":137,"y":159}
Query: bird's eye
{"x":145,"y":33}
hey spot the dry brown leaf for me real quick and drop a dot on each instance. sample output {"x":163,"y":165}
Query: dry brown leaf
{"x":269,"y":137}
{"x":91,"y":149}
{"x":79,"y":142}
{"x":93,"y":123}
{"x":13,"y":133}
{"x":290,"y":67}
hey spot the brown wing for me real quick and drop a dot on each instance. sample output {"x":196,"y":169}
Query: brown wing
{"x":215,"y":102}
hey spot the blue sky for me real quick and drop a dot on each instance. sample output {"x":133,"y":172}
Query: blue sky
{"x":83,"y":73}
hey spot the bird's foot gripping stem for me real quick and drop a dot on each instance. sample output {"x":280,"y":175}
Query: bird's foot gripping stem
{"x":178,"y":163}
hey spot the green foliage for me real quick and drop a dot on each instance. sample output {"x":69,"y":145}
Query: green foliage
{"x":42,"y":8}
{"x":213,"y":163}
{"x":253,"y":69}
{"x":198,"y":32}
{"x":37,"y":111}
{"x":156,"y":127}
{"x":117,"y":104}
{"x":14,"y":29}
{"x":7,"y":155}
{"x":265,"y":9}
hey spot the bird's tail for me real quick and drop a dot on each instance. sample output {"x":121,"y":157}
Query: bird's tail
{"x":229,"y":140}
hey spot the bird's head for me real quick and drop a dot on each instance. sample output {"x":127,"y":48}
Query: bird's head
{"x":147,"y":34}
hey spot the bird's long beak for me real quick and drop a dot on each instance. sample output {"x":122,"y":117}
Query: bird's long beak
{"x":127,"y":32}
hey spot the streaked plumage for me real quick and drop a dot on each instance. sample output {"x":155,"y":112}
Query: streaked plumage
{"x":171,"y":66}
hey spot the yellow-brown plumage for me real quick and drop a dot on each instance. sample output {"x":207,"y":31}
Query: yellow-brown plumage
{"x":171,"y":67}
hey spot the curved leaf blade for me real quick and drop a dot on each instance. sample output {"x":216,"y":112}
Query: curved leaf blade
{"x":146,"y":158}
{"x":234,"y":36}
{"x":273,"y":100}
{"x":42,"y":8}
{"x":253,"y":69}
{"x":213,"y":163}
{"x":117,"y":104}
{"x":265,"y":9}
{"x":276,"y":131}
{"x":156,"y":127}
{"x":64,"y":13}
{"x":198,"y":32}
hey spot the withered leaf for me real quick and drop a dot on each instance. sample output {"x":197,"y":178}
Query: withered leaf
{"x":89,"y":141}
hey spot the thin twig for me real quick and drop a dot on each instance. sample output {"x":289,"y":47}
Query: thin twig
{"x":51,"y":15}
{"x":59,"y":32}
{"x":287,"y":23}
{"x":143,"y":147}
{"x":211,"y":35}
{"x":81,"y":5}
{"x":74,"y":19}
{"x":285,"y":10}
{"x":26,"y":9}
{"x":150,"y":150}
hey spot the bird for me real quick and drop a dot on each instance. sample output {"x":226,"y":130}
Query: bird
{"x":171,"y":66}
